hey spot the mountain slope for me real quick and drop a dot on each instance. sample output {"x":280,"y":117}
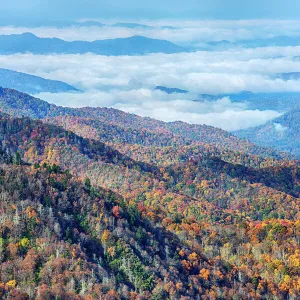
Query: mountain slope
{"x":194,"y":226}
{"x":32,"y":84}
{"x":282,"y":133}
{"x":136,"y":45}
{"x":182,"y":219}
{"x":65,"y":239}
{"x":38,"y":142}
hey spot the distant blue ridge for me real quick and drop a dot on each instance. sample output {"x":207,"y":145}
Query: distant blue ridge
{"x":32,"y":84}
{"x":135,"y":45}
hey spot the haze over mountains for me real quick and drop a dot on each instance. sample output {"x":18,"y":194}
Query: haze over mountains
{"x":281,"y":133}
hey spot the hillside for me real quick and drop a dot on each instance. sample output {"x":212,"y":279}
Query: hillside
{"x":136,"y":45}
{"x":64,"y":238}
{"x":32,"y":84}
{"x":282,"y":133}
{"x":175,"y":209}
{"x":176,"y":225}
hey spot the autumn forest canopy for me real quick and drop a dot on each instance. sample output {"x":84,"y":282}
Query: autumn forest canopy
{"x":100,"y":203}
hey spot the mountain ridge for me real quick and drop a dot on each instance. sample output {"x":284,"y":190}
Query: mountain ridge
{"x":135,"y":45}
{"x":281,"y":133}
{"x":18,"y":104}
{"x":32,"y":84}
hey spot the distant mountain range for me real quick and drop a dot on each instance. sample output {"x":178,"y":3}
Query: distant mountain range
{"x":32,"y":84}
{"x":263,"y":101}
{"x":288,"y":76}
{"x":255,"y":43}
{"x":136,"y":45}
{"x":170,"y":90}
{"x":281,"y":133}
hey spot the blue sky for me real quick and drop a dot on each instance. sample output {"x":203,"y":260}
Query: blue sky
{"x":39,"y":11}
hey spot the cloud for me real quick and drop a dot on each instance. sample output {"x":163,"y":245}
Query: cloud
{"x":199,"y":72}
{"x":148,"y":103}
{"x":280,"y":128}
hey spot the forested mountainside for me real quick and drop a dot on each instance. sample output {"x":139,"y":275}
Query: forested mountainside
{"x":281,"y":133}
{"x":222,"y":229}
{"x":135,"y":45}
{"x":32,"y":84}
{"x":65,"y":239}
{"x":109,"y":205}
{"x":112,"y":124}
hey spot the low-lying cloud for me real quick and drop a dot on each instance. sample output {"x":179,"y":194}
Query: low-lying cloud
{"x":128,"y":83}
{"x":221,"y":113}
{"x":199,"y":72}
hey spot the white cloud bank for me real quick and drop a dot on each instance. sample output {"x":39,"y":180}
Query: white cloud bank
{"x":198,"y":72}
{"x":148,"y":103}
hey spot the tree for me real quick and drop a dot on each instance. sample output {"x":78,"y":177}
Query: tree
{"x":17,"y":159}
{"x":87,"y":183}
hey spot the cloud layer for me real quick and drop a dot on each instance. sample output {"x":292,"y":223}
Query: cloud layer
{"x":128,"y":83}
{"x":221,"y":113}
{"x":198,"y":72}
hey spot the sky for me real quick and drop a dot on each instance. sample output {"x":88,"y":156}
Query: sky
{"x":45,"y":11}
